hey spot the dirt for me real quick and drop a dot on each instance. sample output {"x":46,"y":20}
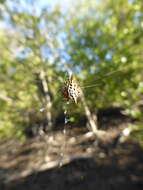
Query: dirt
{"x":73,"y":162}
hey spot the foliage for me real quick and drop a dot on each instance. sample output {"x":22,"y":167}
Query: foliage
{"x":101,"y":43}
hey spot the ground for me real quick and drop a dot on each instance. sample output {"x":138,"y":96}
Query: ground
{"x":73,"y":162}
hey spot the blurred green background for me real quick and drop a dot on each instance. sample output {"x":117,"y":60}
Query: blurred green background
{"x":101,"y":42}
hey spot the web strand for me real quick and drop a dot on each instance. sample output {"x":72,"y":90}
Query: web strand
{"x":106,"y":75}
{"x":90,"y":86}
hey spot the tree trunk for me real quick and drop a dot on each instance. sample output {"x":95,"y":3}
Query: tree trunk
{"x":92,"y":119}
{"x":48,"y":102}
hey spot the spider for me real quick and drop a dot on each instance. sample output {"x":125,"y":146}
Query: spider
{"x":71,"y":90}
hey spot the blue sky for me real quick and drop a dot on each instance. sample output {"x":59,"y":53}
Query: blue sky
{"x":38,"y":4}
{"x":63,"y":3}
{"x":43,"y":3}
